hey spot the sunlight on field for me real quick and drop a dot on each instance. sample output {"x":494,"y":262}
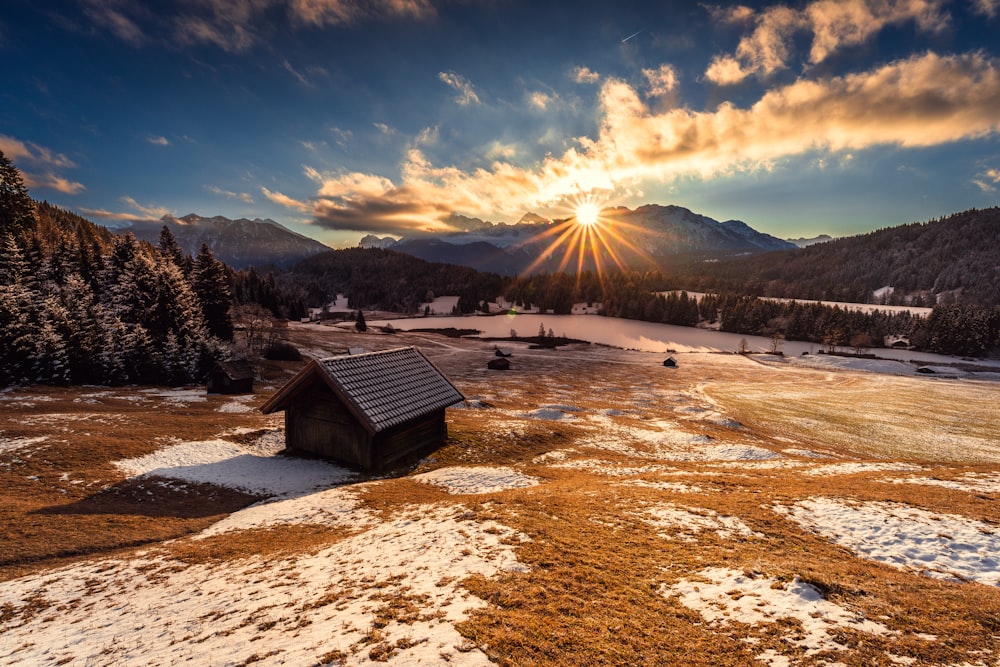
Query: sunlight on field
{"x":589,"y":507}
{"x":874,"y":415}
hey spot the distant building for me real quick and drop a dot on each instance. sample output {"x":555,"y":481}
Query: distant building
{"x":370,"y":410}
{"x":897,"y":342}
{"x":498,"y":364}
{"x":502,"y":352}
{"x":670,"y":362}
{"x":231,"y":377}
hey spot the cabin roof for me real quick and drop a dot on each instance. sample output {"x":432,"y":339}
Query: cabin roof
{"x":382,"y":389}
{"x":237,"y":369}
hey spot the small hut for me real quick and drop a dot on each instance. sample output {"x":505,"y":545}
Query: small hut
{"x":502,"y":352}
{"x":370,"y":410}
{"x":231,"y":377}
{"x":670,"y":362}
{"x":498,"y":364}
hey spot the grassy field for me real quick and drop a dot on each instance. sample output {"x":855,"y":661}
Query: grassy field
{"x":590,"y":507}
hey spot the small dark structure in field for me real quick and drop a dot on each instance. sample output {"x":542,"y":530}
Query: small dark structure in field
{"x":231,"y":377}
{"x":371,"y":410}
{"x":670,"y":362}
{"x":503,"y":352}
{"x":498,"y":364}
{"x":926,"y":370}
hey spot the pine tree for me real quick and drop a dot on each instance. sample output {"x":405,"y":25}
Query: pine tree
{"x":171,"y":250}
{"x":16,"y":314}
{"x":359,"y":323}
{"x":17,"y":210}
{"x":211,"y":284}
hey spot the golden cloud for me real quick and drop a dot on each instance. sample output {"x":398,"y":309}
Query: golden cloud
{"x":922,"y":101}
{"x":834,"y":24}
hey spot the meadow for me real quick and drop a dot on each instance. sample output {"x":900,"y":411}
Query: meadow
{"x":590,"y":507}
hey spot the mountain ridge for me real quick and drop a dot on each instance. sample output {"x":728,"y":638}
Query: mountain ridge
{"x":240,"y":243}
{"x":638,"y":238}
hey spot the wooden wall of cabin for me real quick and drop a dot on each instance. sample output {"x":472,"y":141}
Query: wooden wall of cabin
{"x":317,"y":422}
{"x":420,"y":436}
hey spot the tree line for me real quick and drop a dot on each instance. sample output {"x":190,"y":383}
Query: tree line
{"x":80,"y":305}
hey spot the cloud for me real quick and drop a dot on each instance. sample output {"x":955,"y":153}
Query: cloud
{"x":298,"y":75}
{"x":384,"y":129}
{"x":343,"y":12}
{"x":466,"y":93}
{"x":834,"y":24}
{"x":987,"y":181}
{"x":988,"y":8}
{"x":110,"y":15}
{"x":921,"y":101}
{"x":42,"y":165}
{"x":238,"y":25}
{"x":245,"y":197}
{"x":539,"y":100}
{"x":662,"y":80}
{"x":158,"y":141}
{"x":585,"y":75}
{"x":26,"y":151}
{"x":141,"y":212}
{"x":53,"y":181}
{"x":286,"y":201}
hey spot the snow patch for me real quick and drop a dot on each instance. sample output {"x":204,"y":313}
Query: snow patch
{"x":225,"y":464}
{"x":686,"y":522}
{"x":148,"y":610}
{"x":723,"y":596}
{"x":938,"y":545}
{"x":473,"y":480}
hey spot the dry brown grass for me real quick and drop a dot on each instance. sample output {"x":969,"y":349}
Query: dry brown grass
{"x":594,"y":592}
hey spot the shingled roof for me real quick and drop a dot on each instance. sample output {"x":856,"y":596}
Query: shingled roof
{"x":382,"y":389}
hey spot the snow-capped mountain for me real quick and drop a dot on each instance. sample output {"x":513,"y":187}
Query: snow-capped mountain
{"x":803,"y":242}
{"x":239,"y":243}
{"x":637,"y":238}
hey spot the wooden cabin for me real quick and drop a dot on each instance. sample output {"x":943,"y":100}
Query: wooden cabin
{"x":231,"y":377}
{"x":670,"y":362}
{"x":369,"y":410}
{"x":498,"y":364}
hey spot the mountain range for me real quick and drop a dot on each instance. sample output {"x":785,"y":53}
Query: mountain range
{"x":239,"y":243}
{"x":636,"y":239}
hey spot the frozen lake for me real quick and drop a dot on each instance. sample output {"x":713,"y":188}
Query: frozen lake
{"x":635,"y":335}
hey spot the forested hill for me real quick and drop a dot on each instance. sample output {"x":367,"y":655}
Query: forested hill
{"x":953,"y":258}
{"x":387,"y":280}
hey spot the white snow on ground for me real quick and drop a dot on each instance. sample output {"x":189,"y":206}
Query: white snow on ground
{"x":687,"y":522}
{"x":679,"y":487}
{"x":10,"y":444}
{"x":938,"y":545}
{"x":290,"y":610}
{"x":553,"y":456}
{"x":333,"y":507}
{"x":551,"y":414}
{"x":179,"y":395}
{"x":612,"y":469}
{"x":223,"y":463}
{"x":237,"y":404}
{"x":861,"y":466}
{"x":970,"y":482}
{"x":472,"y":480}
{"x":722,"y":595}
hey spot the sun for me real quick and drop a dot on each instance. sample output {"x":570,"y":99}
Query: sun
{"x":587,"y":213}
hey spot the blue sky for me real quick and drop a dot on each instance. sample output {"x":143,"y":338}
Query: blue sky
{"x":343,"y":118}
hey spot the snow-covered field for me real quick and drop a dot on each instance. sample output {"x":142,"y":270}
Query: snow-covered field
{"x":751,"y":527}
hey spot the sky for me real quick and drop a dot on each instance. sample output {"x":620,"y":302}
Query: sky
{"x":340,"y":119}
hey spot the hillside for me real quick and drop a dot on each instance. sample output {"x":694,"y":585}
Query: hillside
{"x":387,"y":280}
{"x":239,"y":243}
{"x":659,"y":520}
{"x":951,"y":258}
